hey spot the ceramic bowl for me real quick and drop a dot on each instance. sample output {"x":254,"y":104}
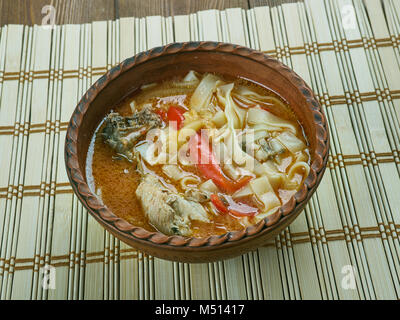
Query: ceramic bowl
{"x":176,"y":60}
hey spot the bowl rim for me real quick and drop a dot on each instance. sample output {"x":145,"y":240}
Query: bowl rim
{"x":126,"y":230}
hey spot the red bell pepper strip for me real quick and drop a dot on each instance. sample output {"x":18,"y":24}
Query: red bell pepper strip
{"x":209,"y":168}
{"x":175,"y":114}
{"x":239,"y":184}
{"x":236,"y":208}
{"x":218,"y":203}
{"x":240,"y":209}
{"x":162,"y":113}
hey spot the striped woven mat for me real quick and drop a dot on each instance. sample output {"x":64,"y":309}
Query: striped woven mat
{"x":345,"y":245}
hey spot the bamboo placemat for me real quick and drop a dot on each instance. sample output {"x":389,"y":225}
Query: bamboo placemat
{"x":348,"y":51}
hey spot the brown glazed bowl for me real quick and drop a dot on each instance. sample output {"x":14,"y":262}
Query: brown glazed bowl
{"x":176,"y":60}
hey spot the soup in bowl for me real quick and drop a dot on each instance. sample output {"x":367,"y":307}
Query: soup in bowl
{"x":197,"y":151}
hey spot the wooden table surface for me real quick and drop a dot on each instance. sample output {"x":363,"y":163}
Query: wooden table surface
{"x":81,"y":11}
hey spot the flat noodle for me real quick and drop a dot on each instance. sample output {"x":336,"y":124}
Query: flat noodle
{"x":185,"y":84}
{"x":291,"y":142}
{"x":264,"y":192}
{"x":258,"y":115}
{"x":264,"y":215}
{"x":269,"y":170}
{"x":235,"y":115}
{"x":301,"y":168}
{"x":219,"y":119}
{"x":202,"y":95}
{"x":252,"y":97}
{"x":244,"y":192}
{"x":234,"y":121}
{"x":231,"y":171}
{"x":208,"y":186}
{"x":188,"y":182}
{"x":173,"y":172}
{"x":162,"y":91}
{"x":191,"y":77}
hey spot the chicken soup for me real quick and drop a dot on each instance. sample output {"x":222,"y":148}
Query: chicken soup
{"x":198,"y":156}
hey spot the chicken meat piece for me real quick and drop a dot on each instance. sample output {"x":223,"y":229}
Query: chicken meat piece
{"x":169,"y":212}
{"x":121,"y":133}
{"x":268,"y":149}
{"x":196,"y":195}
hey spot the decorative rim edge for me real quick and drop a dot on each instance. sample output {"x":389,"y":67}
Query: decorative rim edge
{"x":103,"y":214}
